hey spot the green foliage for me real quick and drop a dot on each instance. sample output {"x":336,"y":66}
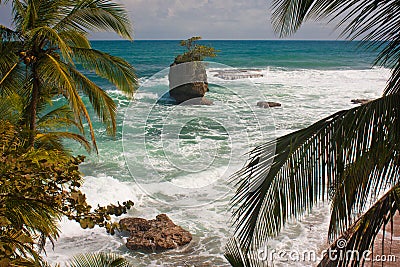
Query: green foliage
{"x":40,"y":54}
{"x":98,"y":260}
{"x":39,"y":181}
{"x":195,"y":52}
{"x":37,"y":187}
{"x":348,"y":158}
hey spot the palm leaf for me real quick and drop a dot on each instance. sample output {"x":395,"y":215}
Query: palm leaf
{"x":97,"y":15}
{"x":112,"y":68}
{"x":239,"y":258}
{"x":311,"y":164}
{"x":6,"y":34}
{"x":55,"y":73}
{"x":11,"y":108}
{"x":362,"y":182}
{"x":49,"y":124}
{"x":53,"y":140}
{"x":75,"y":38}
{"x":98,"y":260}
{"x":12,"y":76}
{"x":18,"y":239}
{"x":361,"y":235}
{"x":45,"y":35}
{"x":102,"y":103}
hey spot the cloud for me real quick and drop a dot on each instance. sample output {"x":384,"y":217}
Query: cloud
{"x":5,"y":15}
{"x":211,"y":19}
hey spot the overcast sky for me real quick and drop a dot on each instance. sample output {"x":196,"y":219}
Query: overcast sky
{"x":211,"y":19}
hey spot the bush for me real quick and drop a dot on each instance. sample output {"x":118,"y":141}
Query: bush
{"x":37,"y":188}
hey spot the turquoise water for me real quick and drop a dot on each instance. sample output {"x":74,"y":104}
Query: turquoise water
{"x":177,"y":159}
{"x":150,"y":57}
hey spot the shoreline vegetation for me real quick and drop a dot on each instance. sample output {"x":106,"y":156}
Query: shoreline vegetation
{"x":40,"y":179}
{"x":347,"y":159}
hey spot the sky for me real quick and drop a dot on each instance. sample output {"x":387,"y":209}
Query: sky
{"x":211,"y":19}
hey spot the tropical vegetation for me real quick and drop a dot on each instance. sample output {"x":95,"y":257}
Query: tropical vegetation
{"x":45,"y":55}
{"x":195,"y":52}
{"x":98,"y":260}
{"x":38,"y":187}
{"x":350,"y":158}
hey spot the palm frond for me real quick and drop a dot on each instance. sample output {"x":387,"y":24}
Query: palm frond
{"x":61,"y":117}
{"x":356,"y":16}
{"x":48,"y":13}
{"x":49,"y":125}
{"x":12,"y":108}
{"x":393,"y":86}
{"x":98,"y":260}
{"x":19,"y":240}
{"x":12,"y":76}
{"x":239,"y":258}
{"x":47,"y":35}
{"x":311,"y":165}
{"x":75,"y":38}
{"x":97,"y":15}
{"x":18,"y":12}
{"x":114,"y":69}
{"x":53,"y":140}
{"x":361,"y":235}
{"x":102,"y":103}
{"x":55,"y":73}
{"x":35,"y":216}
{"x":361,"y":182}
{"x":7,"y":34}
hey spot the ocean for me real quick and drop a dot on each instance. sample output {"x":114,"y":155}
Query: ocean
{"x":177,"y":159}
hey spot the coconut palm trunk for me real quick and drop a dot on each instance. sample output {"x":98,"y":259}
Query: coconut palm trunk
{"x":33,"y":108}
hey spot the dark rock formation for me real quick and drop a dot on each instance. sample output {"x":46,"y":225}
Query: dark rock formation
{"x":191,"y":92}
{"x":188,"y":83}
{"x":265,"y":104}
{"x":360,"y":101}
{"x":154,"y":235}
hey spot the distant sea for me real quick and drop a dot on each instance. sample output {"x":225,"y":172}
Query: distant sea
{"x":177,"y":159}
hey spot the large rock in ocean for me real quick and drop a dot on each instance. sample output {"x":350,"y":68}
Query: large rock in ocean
{"x":188,"y":83}
{"x":154,"y":235}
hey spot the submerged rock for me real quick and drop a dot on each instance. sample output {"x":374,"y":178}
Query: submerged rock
{"x":239,"y":74}
{"x":154,"y":235}
{"x":188,"y":81}
{"x":266,"y":104}
{"x":360,"y":101}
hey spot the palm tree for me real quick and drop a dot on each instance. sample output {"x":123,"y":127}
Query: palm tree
{"x":347,"y":158}
{"x":41,"y":57}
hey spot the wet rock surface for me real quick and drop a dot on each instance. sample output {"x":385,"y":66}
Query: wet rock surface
{"x":267,"y":104}
{"x":154,"y":235}
{"x":360,"y":101}
{"x":188,"y":83}
{"x":239,"y":74}
{"x":191,"y":94}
